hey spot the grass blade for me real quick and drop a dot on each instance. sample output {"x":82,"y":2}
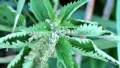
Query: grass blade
{"x":19,"y":10}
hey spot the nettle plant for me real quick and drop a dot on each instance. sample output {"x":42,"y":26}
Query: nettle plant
{"x":56,"y":35}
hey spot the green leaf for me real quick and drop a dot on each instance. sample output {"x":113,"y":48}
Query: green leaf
{"x":78,"y":22}
{"x":111,"y":26}
{"x":90,"y":30}
{"x":39,"y":10}
{"x":63,"y":51}
{"x":95,"y":52}
{"x":19,"y":60}
{"x":105,"y":44}
{"x":91,"y":54}
{"x":19,"y":10}
{"x":16,"y":40}
{"x":7,"y":15}
{"x":17,"y":44}
{"x":87,"y":28}
{"x":12,"y":36}
{"x":49,"y":9}
{"x":68,"y":10}
{"x":20,"y":6}
{"x":85,"y":44}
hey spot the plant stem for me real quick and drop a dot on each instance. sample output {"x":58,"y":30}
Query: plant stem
{"x":108,"y":9}
{"x":89,"y":10}
{"x":118,"y":27}
{"x":78,"y":58}
{"x":6,"y":59}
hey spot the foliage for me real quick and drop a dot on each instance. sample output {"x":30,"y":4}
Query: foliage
{"x":7,"y":18}
{"x":56,"y":35}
